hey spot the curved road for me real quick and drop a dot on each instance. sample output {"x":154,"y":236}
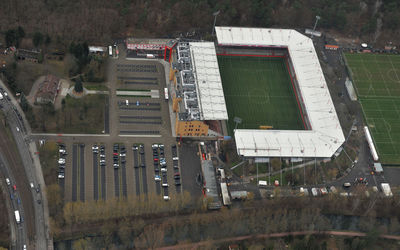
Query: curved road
{"x":18,"y":231}
{"x":32,"y":171}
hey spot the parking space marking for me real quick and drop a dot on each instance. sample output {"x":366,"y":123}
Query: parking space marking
{"x":82,"y":173}
{"x":74,"y":171}
{"x":133,"y":108}
{"x":124,"y":188}
{"x":144,"y":175}
{"x":149,"y":132}
{"x":103,"y":182}
{"x":140,"y":122}
{"x":95,"y":177}
{"x":136,"y":167}
{"x":126,"y":135}
{"x":116,"y":183}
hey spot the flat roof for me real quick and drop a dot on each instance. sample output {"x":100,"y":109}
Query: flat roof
{"x":326,"y":135}
{"x":208,"y":81}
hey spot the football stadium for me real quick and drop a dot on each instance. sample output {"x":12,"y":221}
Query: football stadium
{"x":265,"y":85}
{"x":277,"y":99}
{"x":377,"y":78}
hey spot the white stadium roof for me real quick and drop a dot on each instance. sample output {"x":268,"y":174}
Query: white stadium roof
{"x":208,"y":79}
{"x":326,"y":135}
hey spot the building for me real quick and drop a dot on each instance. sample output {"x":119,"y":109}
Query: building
{"x":331,"y":47}
{"x":48,"y":90}
{"x":29,"y":55}
{"x":150,"y":48}
{"x":323,"y":135}
{"x":98,"y":50}
{"x":197,"y":94}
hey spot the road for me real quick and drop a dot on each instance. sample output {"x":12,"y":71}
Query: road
{"x":18,"y":231}
{"x":31,"y":169}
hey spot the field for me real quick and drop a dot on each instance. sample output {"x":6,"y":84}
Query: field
{"x":377,"y":81}
{"x":259,"y":91}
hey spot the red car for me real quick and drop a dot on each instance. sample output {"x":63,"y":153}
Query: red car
{"x":115,"y":154}
{"x":15,"y":187}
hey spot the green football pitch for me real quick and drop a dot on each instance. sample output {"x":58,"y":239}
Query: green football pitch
{"x":259,"y":91}
{"x":377,"y":81}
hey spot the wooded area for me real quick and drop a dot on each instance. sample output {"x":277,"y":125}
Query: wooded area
{"x":149,"y":225}
{"x":97,"y":21}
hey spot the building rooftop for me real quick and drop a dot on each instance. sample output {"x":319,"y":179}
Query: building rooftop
{"x":142,"y":43}
{"x":325,"y":135}
{"x":199,"y":82}
{"x":48,"y":89}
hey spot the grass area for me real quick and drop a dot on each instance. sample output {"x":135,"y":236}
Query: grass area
{"x":95,"y":86}
{"x":138,"y":90}
{"x":84,"y":115}
{"x":377,"y":81}
{"x":48,"y":154}
{"x":259,"y":90}
{"x":28,"y":72}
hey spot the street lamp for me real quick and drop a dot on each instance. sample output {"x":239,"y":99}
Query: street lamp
{"x":315,"y":25}
{"x":215,"y":14}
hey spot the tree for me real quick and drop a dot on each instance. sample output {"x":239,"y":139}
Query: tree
{"x":37,"y":39}
{"x":20,"y":32}
{"x":24,"y":103}
{"x":78,"y":86}
{"x":10,"y":37}
{"x":47,"y":40}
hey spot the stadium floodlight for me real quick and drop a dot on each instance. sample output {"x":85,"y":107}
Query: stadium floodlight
{"x":237,"y":121}
{"x":215,"y":14}
{"x":315,"y":25}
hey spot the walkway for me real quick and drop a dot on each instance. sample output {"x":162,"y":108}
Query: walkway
{"x":273,"y":235}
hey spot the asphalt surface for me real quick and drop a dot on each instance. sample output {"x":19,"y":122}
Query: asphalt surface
{"x":95,"y":176}
{"x":190,"y":167}
{"x":128,"y":180}
{"x":82,"y":173}
{"x":103,"y":182}
{"x":116,"y":182}
{"x":74,"y":172}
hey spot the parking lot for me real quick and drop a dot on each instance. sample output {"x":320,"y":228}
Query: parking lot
{"x":122,"y":164}
{"x":85,"y":179}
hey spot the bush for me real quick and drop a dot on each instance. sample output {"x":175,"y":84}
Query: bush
{"x":78,"y":86}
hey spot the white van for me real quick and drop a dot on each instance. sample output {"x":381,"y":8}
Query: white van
{"x":110,"y":50}
{"x":262,"y":183}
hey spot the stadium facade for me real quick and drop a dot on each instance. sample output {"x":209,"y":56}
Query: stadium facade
{"x":198,"y":98}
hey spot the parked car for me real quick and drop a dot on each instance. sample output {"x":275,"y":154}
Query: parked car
{"x":8,"y":181}
{"x":157,"y":178}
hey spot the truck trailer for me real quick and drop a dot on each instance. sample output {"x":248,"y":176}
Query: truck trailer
{"x":386,"y":189}
{"x":17,"y":217}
